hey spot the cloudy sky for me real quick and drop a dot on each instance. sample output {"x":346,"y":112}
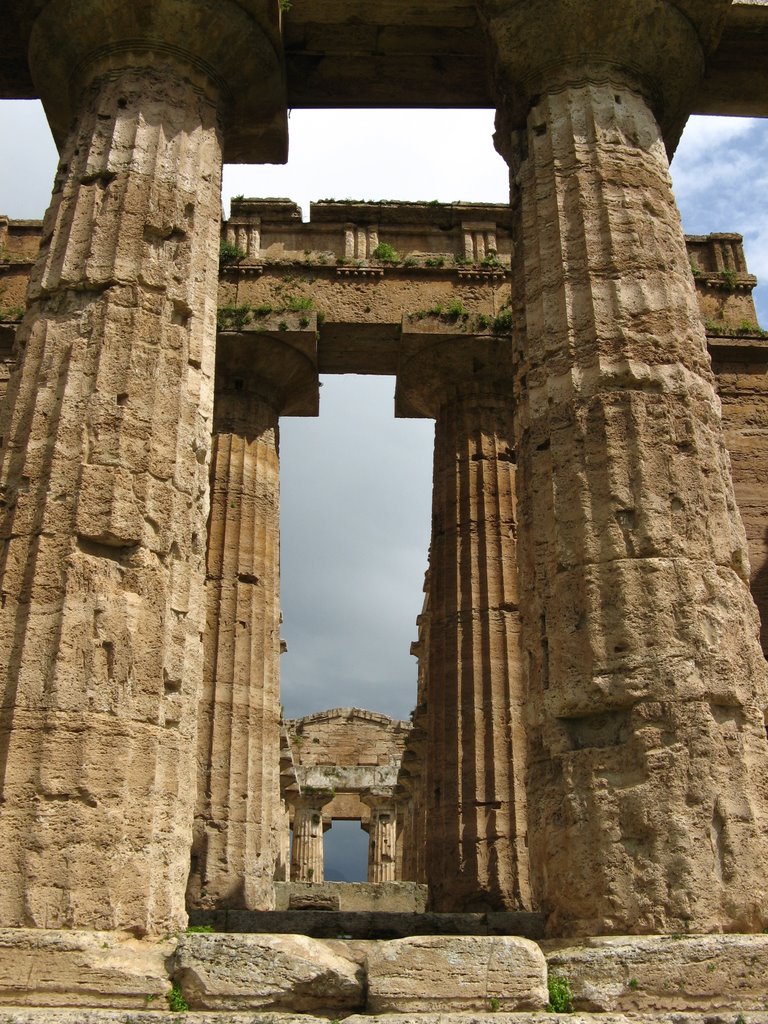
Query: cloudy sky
{"x":356,"y":482}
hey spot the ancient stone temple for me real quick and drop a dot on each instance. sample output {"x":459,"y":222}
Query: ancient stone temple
{"x":588,"y":752}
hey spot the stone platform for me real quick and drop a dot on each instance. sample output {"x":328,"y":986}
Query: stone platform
{"x":332,"y":924}
{"x":94,"y":977}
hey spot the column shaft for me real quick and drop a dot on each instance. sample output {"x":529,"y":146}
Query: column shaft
{"x":104,"y":483}
{"x":382,"y":839}
{"x":307,"y":848}
{"x":476,"y":819}
{"x":237,"y":828}
{"x":648,"y":779}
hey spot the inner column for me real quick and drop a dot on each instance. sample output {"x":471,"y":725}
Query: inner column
{"x":238,"y":817}
{"x":476,"y":858}
{"x":648,"y":689}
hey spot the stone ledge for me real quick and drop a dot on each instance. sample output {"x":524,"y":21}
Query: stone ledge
{"x":253,"y":972}
{"x":637,"y":974}
{"x":23,"y":1015}
{"x":427,"y":973}
{"x":77,"y":977}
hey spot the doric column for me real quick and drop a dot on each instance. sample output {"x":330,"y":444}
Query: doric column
{"x":475,"y":796}
{"x":648,"y":753}
{"x":238,"y":817}
{"x":105,"y":465}
{"x":382,"y":835}
{"x":307,"y":847}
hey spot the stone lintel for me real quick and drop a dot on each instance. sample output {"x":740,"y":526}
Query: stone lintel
{"x":276,"y":363}
{"x":437,"y":361}
{"x":398,"y":58}
{"x":736,"y":81}
{"x":346,"y":777}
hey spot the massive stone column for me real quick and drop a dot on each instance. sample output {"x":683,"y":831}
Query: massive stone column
{"x":105,"y":464}
{"x":475,"y":751}
{"x":382,"y":835}
{"x":648,"y":693}
{"x":239,"y":814}
{"x":307,"y":862}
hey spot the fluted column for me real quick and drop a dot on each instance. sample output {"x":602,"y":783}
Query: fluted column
{"x":648,"y":755}
{"x":382,"y":835}
{"x":239,"y":815}
{"x":239,"y":729}
{"x":475,"y":757}
{"x":307,"y":847}
{"x":104,"y":474}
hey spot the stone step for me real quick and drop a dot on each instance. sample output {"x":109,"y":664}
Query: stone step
{"x":333,"y":924}
{"x":69,"y":1015}
{"x":45,"y":975}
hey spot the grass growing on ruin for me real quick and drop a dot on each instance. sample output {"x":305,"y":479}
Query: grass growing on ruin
{"x":560,"y":994}
{"x":176,"y":1001}
{"x":385,"y":253}
{"x":230,"y":253}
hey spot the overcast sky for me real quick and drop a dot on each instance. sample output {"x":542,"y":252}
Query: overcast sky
{"x":356,"y":482}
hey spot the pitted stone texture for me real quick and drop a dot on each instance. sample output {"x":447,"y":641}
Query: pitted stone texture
{"x":648,"y":759}
{"x":155,"y":1014}
{"x":15,"y":1015}
{"x":291,"y":972}
{"x":658,"y":973}
{"x":476,"y":855}
{"x":107,"y":428}
{"x":432,"y":973}
{"x":550,"y":1018}
{"x":78,"y":968}
{"x":236,"y":834}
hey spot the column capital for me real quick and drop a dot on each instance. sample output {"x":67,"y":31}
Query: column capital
{"x":310,"y":799}
{"x":278,"y":368}
{"x":380,"y":798}
{"x":658,"y":47}
{"x":436,"y":366}
{"x":230,"y":49}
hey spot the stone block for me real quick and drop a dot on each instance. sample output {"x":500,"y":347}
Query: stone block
{"x":458,"y":973}
{"x":257,"y":972}
{"x":663,"y":973}
{"x":77,"y":968}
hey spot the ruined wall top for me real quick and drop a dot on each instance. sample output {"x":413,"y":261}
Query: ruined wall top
{"x":347,"y":736}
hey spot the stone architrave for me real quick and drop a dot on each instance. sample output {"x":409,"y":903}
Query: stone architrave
{"x":382,"y":835}
{"x":104,"y":476}
{"x":475,"y":855}
{"x":648,"y":768}
{"x":239,"y":818}
{"x":307,"y":862}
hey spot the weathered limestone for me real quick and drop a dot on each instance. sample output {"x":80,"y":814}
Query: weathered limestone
{"x":357,"y":897}
{"x":476,"y":856}
{"x":307,"y":864}
{"x":648,"y":753}
{"x":652,"y":973}
{"x":287,"y":972}
{"x":81,"y":968}
{"x":104,"y":478}
{"x":239,"y":818}
{"x":382,"y":835}
{"x":431,"y":973}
